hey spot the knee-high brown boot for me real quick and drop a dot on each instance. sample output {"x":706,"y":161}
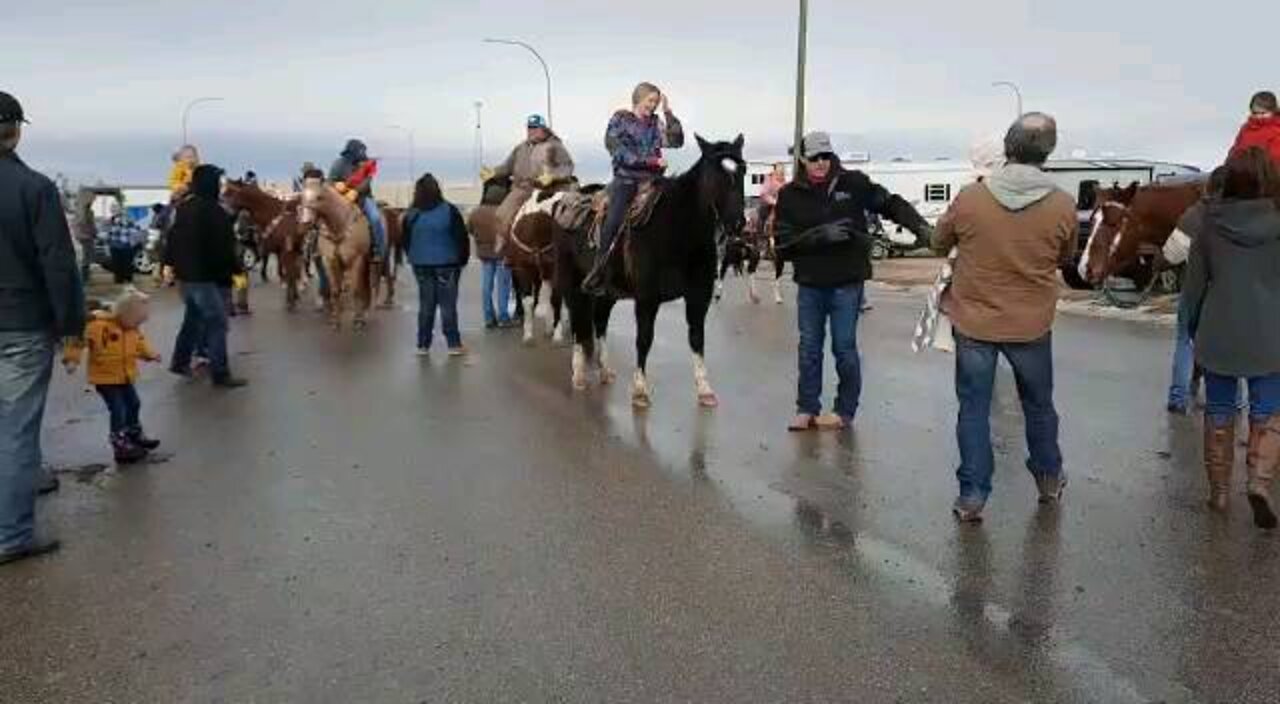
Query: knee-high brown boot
{"x":1264,"y":455}
{"x":1219,"y":456}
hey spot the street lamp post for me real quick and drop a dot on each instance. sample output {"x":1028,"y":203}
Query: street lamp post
{"x":413,"y":168}
{"x":1016,"y":91}
{"x":545,"y":70}
{"x":801,"y":51}
{"x":479,"y":146}
{"x":186,"y":113}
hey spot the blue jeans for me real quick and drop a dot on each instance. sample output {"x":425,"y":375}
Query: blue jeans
{"x":621,"y":193}
{"x":816,"y":306}
{"x":377,"y":227}
{"x":1184,"y":362}
{"x":438,"y":288}
{"x":1032,"y":364}
{"x":26,"y":366}
{"x":1222,"y":397}
{"x":124,"y":406}
{"x":204,"y":326}
{"x":495,"y":272}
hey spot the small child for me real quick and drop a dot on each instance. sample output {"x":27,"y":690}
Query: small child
{"x":116,"y":343}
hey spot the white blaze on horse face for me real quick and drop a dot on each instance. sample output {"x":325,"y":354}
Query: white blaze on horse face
{"x":730,"y":166}
{"x":1083,"y":267}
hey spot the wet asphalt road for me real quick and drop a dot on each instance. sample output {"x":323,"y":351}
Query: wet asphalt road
{"x":361,"y":525}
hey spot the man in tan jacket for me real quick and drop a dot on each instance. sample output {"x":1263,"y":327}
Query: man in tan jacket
{"x":1012,"y":231}
{"x":538,"y":162}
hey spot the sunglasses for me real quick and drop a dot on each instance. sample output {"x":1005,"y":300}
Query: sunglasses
{"x":818,"y":159}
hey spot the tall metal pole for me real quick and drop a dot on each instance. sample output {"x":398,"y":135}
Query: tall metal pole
{"x":413,"y":168}
{"x":186,"y":113}
{"x":1016,"y":91}
{"x":546,"y":72}
{"x":801,"y":51}
{"x":479,"y":143}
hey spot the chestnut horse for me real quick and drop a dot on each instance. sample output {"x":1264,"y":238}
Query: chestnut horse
{"x":277,"y":221}
{"x":385,"y":280}
{"x":344,"y":244}
{"x":1128,"y":218}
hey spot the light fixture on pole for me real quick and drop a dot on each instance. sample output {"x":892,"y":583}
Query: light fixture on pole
{"x":186,"y":114}
{"x":1016,"y":91}
{"x":545,"y":70}
{"x":801,"y":51}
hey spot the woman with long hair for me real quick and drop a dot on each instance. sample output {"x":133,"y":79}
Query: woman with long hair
{"x":438,"y":248}
{"x":1231,"y":293}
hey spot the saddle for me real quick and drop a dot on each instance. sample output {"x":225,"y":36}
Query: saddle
{"x":639,"y":213}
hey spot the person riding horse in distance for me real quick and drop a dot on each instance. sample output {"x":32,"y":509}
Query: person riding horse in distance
{"x":538,"y":162}
{"x":635,"y":139}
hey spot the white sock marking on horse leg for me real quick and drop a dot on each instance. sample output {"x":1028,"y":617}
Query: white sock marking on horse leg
{"x":751,"y":288}
{"x":607,"y":375}
{"x":641,"y":394}
{"x":777,"y":291}
{"x":1083,"y":267}
{"x":558,"y":335}
{"x":528,"y":319}
{"x":700,"y":380}
{"x":579,"y":367}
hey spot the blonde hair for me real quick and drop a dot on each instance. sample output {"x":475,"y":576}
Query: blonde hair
{"x":195,"y":153}
{"x":129,"y":299}
{"x":642,"y":91}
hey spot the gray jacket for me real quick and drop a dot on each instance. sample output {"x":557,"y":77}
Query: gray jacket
{"x":1232,"y":286}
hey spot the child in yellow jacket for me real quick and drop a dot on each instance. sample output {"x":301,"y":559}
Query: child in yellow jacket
{"x":115,"y":343}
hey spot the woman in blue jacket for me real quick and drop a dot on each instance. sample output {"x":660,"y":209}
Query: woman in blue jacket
{"x":438,"y":248}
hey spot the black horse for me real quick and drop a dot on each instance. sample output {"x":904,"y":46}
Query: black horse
{"x":671,"y":256}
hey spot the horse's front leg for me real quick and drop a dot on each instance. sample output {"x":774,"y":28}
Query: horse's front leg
{"x":778,"y":266}
{"x":600,"y":325}
{"x":359,"y":288}
{"x":333,"y":290}
{"x":695,"y":308}
{"x":646,"y":317}
{"x":558,"y":323}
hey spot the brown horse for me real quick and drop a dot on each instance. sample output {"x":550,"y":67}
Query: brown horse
{"x":530,"y":253}
{"x":277,"y":221}
{"x":384,"y":281}
{"x":1128,"y":221}
{"x":344,"y":244}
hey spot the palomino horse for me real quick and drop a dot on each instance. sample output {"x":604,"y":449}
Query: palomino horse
{"x":1128,"y":218}
{"x":671,"y":255}
{"x":280,"y":234}
{"x":384,"y":282}
{"x":344,"y":245}
{"x":531,"y":256}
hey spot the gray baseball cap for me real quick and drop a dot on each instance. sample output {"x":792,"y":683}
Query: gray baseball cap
{"x":817,"y":143}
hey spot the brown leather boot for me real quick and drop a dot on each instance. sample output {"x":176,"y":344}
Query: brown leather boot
{"x":1219,"y":456}
{"x":1264,"y":455}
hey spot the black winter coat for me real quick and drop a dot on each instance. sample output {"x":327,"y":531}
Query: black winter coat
{"x":40,"y":287}
{"x":837,"y":255}
{"x":202,"y":242}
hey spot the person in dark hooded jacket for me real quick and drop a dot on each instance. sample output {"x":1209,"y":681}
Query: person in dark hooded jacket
{"x":1231,"y":292}
{"x":353,"y":156}
{"x":202,"y":251}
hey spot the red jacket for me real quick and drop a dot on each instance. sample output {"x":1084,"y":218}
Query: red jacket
{"x":1263,"y":132}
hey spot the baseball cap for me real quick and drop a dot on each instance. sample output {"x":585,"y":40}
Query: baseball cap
{"x":536,"y":122}
{"x":10,"y":109}
{"x":816,"y":144}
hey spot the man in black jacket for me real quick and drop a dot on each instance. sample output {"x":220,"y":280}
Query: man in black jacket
{"x":202,"y":252}
{"x":41,"y":302}
{"x":822,"y":229}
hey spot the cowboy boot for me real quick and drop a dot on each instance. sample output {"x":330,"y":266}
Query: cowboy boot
{"x":1264,"y":455}
{"x":1219,"y":456}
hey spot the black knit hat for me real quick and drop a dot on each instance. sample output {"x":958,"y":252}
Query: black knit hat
{"x":10,"y":109}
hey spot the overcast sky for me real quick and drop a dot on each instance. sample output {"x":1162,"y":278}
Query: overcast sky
{"x":105,"y":82}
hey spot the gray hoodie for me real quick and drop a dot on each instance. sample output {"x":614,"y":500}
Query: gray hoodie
{"x":1018,"y":186}
{"x":1232,"y":286}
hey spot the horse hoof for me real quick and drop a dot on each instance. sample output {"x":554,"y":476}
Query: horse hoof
{"x":579,"y":383}
{"x":527,"y":341}
{"x":607,"y":377}
{"x":708,"y":400}
{"x":641,"y":403}
{"x":386,"y":305}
